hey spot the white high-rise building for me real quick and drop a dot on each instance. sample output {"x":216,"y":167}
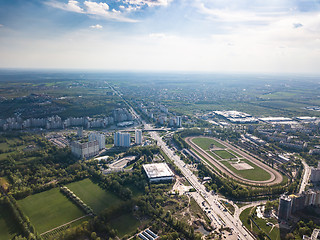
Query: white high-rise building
{"x":138,"y":136}
{"x":122,"y":139}
{"x":179,"y":121}
{"x":101,"y":138}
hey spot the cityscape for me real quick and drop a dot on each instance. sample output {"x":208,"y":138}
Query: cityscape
{"x":159,"y":119}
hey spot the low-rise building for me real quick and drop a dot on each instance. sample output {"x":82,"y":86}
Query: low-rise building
{"x":157,"y":172}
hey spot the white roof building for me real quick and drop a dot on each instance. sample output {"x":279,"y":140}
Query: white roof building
{"x":158,"y":172}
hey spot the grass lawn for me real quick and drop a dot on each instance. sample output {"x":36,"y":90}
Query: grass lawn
{"x":224,"y":154}
{"x":125,"y":224}
{"x":234,"y":153}
{"x":94,"y":196}
{"x":49,"y":209}
{"x":8,"y":226}
{"x":256,"y":174}
{"x":213,"y":155}
{"x":262,"y":223}
{"x":205,"y":143}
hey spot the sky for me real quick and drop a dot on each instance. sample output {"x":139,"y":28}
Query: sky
{"x":273,"y":36}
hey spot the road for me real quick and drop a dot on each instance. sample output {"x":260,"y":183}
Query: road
{"x":207,"y":200}
{"x":306,"y":175}
{"x":214,"y":210}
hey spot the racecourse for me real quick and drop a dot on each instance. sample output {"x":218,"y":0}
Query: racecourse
{"x":272,"y":177}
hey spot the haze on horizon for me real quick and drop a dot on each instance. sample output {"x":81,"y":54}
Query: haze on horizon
{"x":162,"y":35}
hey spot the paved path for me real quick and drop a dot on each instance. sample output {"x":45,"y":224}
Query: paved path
{"x":64,"y":225}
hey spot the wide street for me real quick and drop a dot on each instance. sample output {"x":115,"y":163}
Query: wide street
{"x":306,"y":175}
{"x":207,"y":200}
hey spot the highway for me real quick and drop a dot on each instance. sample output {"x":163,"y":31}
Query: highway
{"x":209,"y":201}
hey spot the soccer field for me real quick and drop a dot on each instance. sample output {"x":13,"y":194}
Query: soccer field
{"x":49,"y":209}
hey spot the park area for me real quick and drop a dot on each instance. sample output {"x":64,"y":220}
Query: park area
{"x":49,"y":209}
{"x":94,"y":196}
{"x":253,"y":223}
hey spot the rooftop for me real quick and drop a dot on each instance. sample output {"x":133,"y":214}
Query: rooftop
{"x":157,"y":170}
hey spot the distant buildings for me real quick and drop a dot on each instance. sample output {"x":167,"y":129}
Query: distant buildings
{"x":55,"y":122}
{"x":122,"y":139}
{"x":236,"y":117}
{"x":157,"y":172}
{"x":315,"y":174}
{"x":138,"y":137}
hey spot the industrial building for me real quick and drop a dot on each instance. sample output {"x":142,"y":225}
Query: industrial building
{"x":157,"y":172}
{"x":138,"y":136}
{"x":122,"y":139}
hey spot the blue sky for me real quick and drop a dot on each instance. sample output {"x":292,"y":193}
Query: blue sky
{"x":276,"y":36}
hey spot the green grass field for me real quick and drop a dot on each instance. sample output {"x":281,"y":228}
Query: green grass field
{"x":94,"y":196}
{"x":224,"y":154}
{"x":262,"y":223}
{"x":255,"y":174}
{"x":125,"y":224}
{"x":213,"y":155}
{"x":49,"y":209}
{"x":205,"y":143}
{"x":8,"y":226}
{"x":234,"y":153}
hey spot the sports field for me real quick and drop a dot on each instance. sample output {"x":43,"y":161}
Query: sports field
{"x":94,"y":196}
{"x":205,"y":143}
{"x":227,"y":159}
{"x":49,"y":209}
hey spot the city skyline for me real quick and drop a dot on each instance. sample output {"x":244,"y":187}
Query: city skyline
{"x":161,"y":35}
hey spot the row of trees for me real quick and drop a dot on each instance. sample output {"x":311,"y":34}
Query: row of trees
{"x":67,"y":192}
{"x":23,"y":221}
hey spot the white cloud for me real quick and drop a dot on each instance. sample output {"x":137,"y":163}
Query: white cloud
{"x":97,"y":26}
{"x":71,"y":6}
{"x":97,"y":9}
{"x":1,"y":25}
{"x":149,"y":3}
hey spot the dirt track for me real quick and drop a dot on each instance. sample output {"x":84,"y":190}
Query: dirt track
{"x":275,"y":177}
